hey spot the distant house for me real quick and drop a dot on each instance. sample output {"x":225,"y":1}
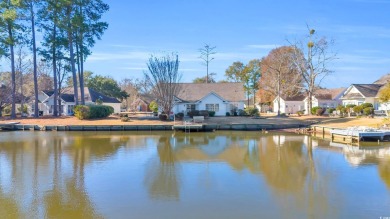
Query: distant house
{"x":218,"y":97}
{"x":46,"y":99}
{"x":325,"y":98}
{"x":363,"y":93}
{"x":288,"y":104}
{"x":142,"y":102}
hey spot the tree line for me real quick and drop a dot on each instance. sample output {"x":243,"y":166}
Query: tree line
{"x":69,"y":30}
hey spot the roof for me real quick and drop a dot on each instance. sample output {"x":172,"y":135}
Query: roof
{"x":90,"y":95}
{"x":368,"y":90}
{"x":195,"y":91}
{"x":329,"y":94}
{"x":298,"y":97}
{"x":383,"y":80}
{"x":48,"y":92}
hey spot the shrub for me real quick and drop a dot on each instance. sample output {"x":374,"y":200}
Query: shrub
{"x":368,"y":111}
{"x":235,"y":113}
{"x":331,"y":110}
{"x":320,"y":111}
{"x":163,"y":117}
{"x":314,"y":110}
{"x":24,"y":110}
{"x":358,"y":109}
{"x":204,"y":113}
{"x":227,"y":114}
{"x":153,"y":106}
{"x":252,"y":111}
{"x":193,"y":113}
{"x":365,"y":105}
{"x":179,"y":116}
{"x":241,"y":112}
{"x":92,"y":111}
{"x":7,"y":110}
{"x":211,"y":113}
{"x":300,"y":113}
{"x":339,"y":107}
{"x":125,"y":118}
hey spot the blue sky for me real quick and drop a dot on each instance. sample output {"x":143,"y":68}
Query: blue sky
{"x":242,"y":30}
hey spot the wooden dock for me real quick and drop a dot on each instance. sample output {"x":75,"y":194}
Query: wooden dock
{"x":188,"y":127}
{"x":356,"y":134}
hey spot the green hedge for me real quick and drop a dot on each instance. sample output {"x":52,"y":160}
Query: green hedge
{"x":92,"y":111}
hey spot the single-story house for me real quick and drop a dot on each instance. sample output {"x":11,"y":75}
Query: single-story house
{"x":218,"y":97}
{"x":326,"y":98}
{"x":291,"y":104}
{"x":141,"y":103}
{"x":363,"y":93}
{"x":46,"y":99}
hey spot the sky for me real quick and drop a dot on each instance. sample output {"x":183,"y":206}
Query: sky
{"x":242,"y":30}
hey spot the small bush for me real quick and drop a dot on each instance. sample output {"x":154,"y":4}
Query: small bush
{"x":252,"y":111}
{"x":358,"y":109}
{"x":163,"y":117}
{"x":242,"y":112}
{"x":7,"y":110}
{"x":125,"y":118}
{"x":300,"y":113}
{"x":153,"y":106}
{"x":204,"y":113}
{"x":24,"y":110}
{"x":193,"y":113}
{"x":331,"y":110}
{"x":314,"y":110}
{"x":179,"y":116}
{"x":92,"y":111}
{"x":368,"y":111}
{"x":227,"y":114}
{"x":211,"y":113}
{"x":320,"y":111}
{"x":365,"y":105}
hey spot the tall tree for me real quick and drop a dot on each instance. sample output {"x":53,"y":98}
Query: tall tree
{"x":88,"y":28}
{"x":313,"y":67}
{"x":10,"y":32}
{"x":30,"y":5}
{"x":54,"y":40}
{"x":107,"y":86}
{"x":205,"y":54}
{"x":202,"y":80}
{"x":253,"y":69}
{"x":280,"y":76}
{"x":163,"y":77}
{"x":248,"y":74}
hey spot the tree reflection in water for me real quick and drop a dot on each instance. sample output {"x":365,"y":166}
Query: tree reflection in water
{"x":161,"y":176}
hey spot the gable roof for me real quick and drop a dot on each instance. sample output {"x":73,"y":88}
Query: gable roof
{"x":90,"y":95}
{"x":298,"y":97}
{"x":195,"y":91}
{"x":383,"y":80}
{"x":368,"y":90}
{"x":329,"y":94}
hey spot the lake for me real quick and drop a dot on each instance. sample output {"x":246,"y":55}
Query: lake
{"x":223,"y":174}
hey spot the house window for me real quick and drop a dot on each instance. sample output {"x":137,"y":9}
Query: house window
{"x":70,"y":109}
{"x":190,"y":107}
{"x":212,"y":107}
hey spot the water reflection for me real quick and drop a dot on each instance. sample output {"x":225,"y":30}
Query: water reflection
{"x":53,"y":175}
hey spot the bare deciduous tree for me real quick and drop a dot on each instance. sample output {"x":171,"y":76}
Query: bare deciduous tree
{"x":163,"y":78}
{"x":280,"y":77}
{"x":205,"y":52}
{"x":314,"y":67}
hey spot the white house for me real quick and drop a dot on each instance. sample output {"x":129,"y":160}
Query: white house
{"x":218,"y":97}
{"x":291,"y":104}
{"x":363,"y":93}
{"x":325,"y":98}
{"x":46,"y":100}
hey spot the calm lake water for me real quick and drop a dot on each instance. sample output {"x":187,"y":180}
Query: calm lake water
{"x":197,"y":175}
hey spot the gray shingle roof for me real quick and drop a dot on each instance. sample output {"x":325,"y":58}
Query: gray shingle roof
{"x":89,"y":95}
{"x":368,"y":90}
{"x":192,"y":92}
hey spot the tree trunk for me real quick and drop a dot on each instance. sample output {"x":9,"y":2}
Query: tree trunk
{"x":72,"y":61}
{"x":81,"y":81}
{"x":13,"y":78}
{"x":36,"y":112}
{"x":55,"y":112}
